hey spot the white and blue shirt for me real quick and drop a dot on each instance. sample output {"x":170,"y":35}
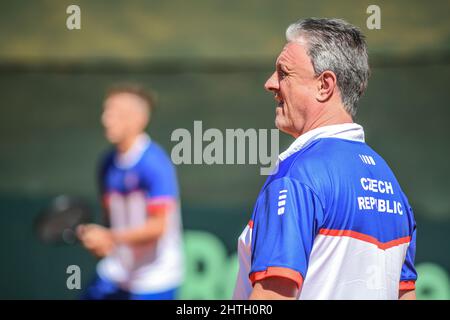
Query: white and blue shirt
{"x":135,"y":185}
{"x":334,"y":219}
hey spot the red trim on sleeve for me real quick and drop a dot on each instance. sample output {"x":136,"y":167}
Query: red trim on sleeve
{"x":278,"y":272}
{"x":161,"y":205}
{"x":407,"y":285}
{"x":250,"y":224}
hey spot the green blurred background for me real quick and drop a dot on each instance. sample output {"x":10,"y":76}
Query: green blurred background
{"x":207,"y":60}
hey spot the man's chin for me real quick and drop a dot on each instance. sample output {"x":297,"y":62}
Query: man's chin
{"x":283,"y":127}
{"x":112,"y":139}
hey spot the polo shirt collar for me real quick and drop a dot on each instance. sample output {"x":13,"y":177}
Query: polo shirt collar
{"x":346,"y":131}
{"x":134,"y":154}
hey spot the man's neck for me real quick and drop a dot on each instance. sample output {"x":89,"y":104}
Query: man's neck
{"x":127,"y":143}
{"x":327,"y":117}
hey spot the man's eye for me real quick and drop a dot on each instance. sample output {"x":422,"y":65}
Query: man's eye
{"x":281,"y":74}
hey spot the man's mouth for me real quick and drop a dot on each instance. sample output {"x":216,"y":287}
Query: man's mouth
{"x":279,"y":99}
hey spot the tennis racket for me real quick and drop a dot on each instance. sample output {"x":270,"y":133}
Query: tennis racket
{"x":57,"y":223}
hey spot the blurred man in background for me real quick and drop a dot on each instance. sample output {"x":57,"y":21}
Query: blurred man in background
{"x":142,"y":247}
{"x":332,"y":222}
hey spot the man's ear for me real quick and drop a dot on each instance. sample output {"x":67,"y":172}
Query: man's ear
{"x":326,"y":84}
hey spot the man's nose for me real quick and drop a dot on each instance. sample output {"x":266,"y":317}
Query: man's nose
{"x":272,"y":83}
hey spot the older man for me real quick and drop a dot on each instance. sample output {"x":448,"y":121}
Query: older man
{"x":332,"y":222}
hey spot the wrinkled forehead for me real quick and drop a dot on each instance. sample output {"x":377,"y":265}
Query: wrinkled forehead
{"x":294,"y":53}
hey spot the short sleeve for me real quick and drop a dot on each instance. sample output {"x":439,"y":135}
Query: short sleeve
{"x":161,"y":180}
{"x":161,"y":184}
{"x":285,"y":223}
{"x":408,"y":275}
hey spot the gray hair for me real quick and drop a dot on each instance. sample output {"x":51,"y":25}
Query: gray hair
{"x":336,"y":45}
